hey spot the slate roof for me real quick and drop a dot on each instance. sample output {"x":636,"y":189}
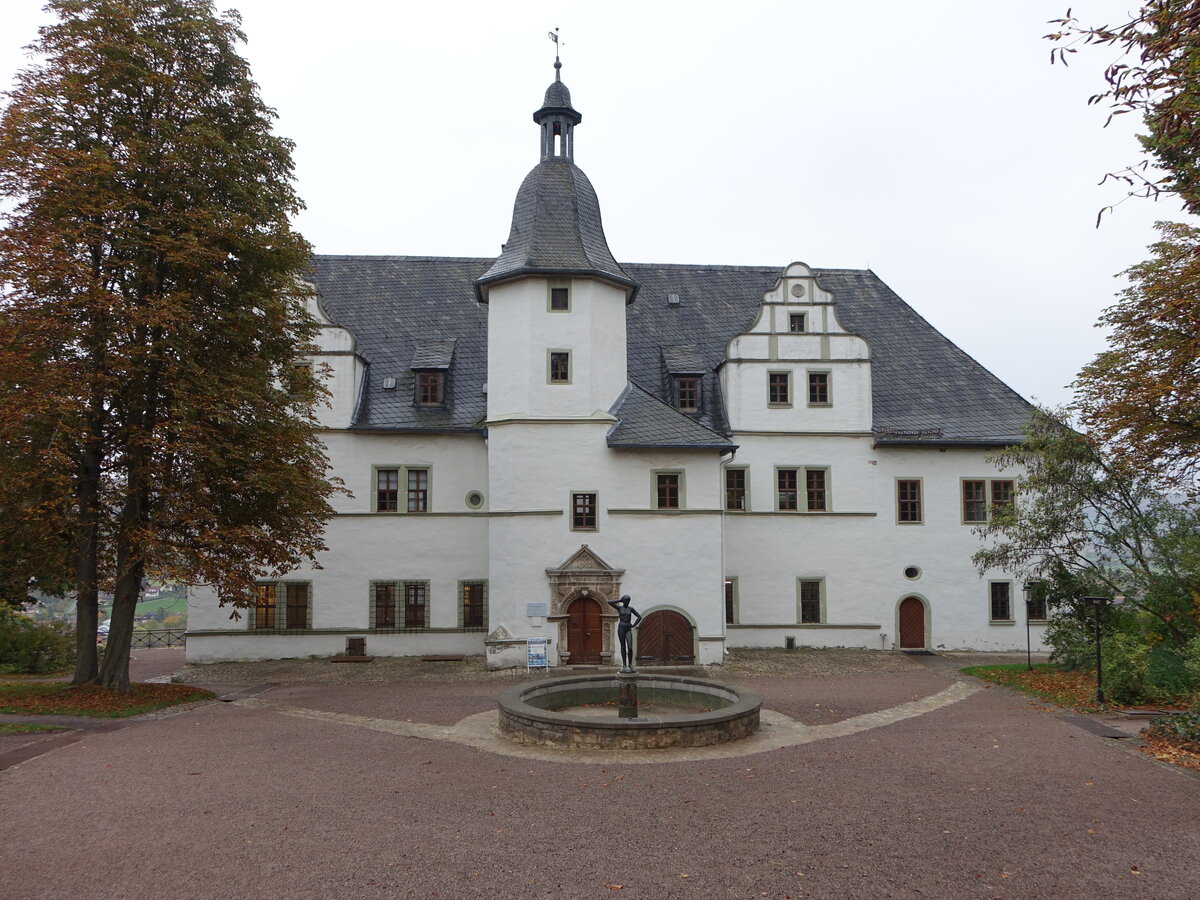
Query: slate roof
{"x":556,"y":229}
{"x":646,"y":421}
{"x":432,"y":355}
{"x":925,"y":389}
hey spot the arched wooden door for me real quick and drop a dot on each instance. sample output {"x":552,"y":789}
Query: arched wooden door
{"x":665,"y":639}
{"x":585,"y":634}
{"x":912,"y":624}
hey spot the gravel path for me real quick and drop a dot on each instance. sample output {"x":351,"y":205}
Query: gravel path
{"x":987,"y":797}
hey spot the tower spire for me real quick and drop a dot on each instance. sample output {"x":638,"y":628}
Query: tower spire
{"x":557,"y":117}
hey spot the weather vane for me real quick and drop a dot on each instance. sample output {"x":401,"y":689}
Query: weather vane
{"x":553,"y":35}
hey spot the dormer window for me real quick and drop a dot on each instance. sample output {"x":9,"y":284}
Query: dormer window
{"x":687,"y":393}
{"x":796,"y":323}
{"x":431,"y":361}
{"x":431,"y":388}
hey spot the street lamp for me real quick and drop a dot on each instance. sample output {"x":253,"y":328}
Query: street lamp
{"x":1028,"y":588}
{"x":1098,"y":602}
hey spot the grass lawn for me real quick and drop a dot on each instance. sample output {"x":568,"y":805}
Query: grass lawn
{"x":64,"y":700}
{"x":27,"y":728}
{"x":1075,"y":690}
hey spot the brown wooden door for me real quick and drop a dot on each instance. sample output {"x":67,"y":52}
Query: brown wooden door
{"x":585,"y":635}
{"x":665,"y":639}
{"x":912,"y":624}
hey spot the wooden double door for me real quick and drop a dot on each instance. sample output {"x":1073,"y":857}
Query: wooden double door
{"x":666,"y":638}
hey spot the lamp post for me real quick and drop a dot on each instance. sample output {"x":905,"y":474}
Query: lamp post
{"x":1028,"y":588}
{"x":1098,"y":602}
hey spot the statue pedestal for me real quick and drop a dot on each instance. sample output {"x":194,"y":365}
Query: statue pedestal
{"x":627,"y":699}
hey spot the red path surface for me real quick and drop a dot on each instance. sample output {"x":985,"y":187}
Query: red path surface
{"x":990,"y":797}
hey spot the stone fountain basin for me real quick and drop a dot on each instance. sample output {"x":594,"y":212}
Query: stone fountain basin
{"x":688,"y":712}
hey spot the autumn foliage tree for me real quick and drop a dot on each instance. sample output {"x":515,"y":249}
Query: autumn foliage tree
{"x":152,"y":419}
{"x":1141,"y":396}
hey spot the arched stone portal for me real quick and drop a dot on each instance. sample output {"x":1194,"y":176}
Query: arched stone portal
{"x":583,"y":576}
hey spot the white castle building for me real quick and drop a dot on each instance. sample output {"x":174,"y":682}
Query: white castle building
{"x":760,"y":457}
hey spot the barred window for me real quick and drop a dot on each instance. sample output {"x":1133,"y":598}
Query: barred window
{"x":472,"y":604}
{"x":416,"y":606}
{"x":297,"y":605}
{"x":385,"y":606}
{"x":264,"y":605}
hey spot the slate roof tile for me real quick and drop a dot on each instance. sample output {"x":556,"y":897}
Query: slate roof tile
{"x":648,"y":421}
{"x":925,"y":389}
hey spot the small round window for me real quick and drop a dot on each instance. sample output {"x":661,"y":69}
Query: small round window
{"x":912,"y":572}
{"x":474,"y":499}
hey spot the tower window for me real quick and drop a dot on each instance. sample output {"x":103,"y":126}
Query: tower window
{"x":559,"y":300}
{"x":560,"y":367}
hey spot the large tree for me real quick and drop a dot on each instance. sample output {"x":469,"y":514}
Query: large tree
{"x":1087,"y":522}
{"x":1142,"y":395}
{"x":153,"y":417}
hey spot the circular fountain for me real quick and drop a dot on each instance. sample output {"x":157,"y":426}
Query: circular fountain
{"x":671,"y":711}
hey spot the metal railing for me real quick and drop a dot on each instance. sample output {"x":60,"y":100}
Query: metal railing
{"x":160,"y":637}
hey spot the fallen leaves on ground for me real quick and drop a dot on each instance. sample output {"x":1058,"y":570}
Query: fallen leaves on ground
{"x":1174,"y":751}
{"x":61,"y":699}
{"x":1076,"y":690}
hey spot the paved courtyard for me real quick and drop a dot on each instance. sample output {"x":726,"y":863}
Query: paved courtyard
{"x":907,"y":782}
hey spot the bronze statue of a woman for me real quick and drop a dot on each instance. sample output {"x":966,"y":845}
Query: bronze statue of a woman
{"x":625,"y":629}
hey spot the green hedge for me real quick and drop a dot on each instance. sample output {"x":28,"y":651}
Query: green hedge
{"x":36,"y":648}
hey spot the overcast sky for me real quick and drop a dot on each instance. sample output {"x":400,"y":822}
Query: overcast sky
{"x":930,"y":141}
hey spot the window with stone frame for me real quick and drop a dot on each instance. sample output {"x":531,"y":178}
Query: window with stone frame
{"x":473,"y":604}
{"x":735,"y":490}
{"x":583,"y":511}
{"x":974,"y":501}
{"x":383,"y":609}
{"x":282,"y":605}
{"x":816,"y":490}
{"x":818,"y":389}
{"x":560,"y":367}
{"x":416,"y":604}
{"x":418,"y":490}
{"x":787,"y":493}
{"x":809,"y":591}
{"x":908,"y":501}
{"x":1002,"y":492}
{"x":1001,"y":601}
{"x":387,"y":490}
{"x":796,"y":323}
{"x":265,"y":604}
{"x":687,"y":393}
{"x":668,"y":490}
{"x":560,"y":299}
{"x":431,"y":388}
{"x":779,"y":388}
